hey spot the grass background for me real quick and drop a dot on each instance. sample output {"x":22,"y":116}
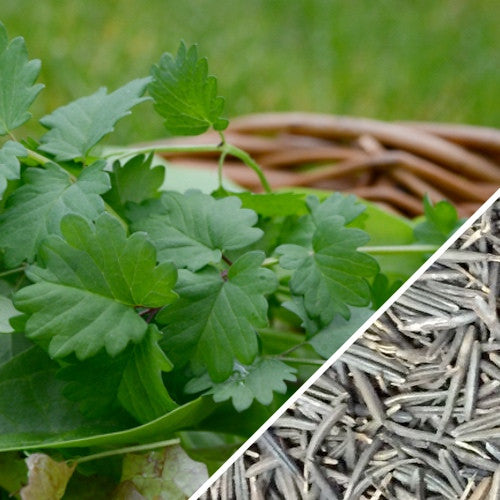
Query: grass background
{"x":387,"y":59}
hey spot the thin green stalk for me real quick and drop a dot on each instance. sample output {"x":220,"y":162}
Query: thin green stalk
{"x":283,"y":289}
{"x":293,"y":348}
{"x":201,"y":148}
{"x":388,"y":249}
{"x":302,"y":361}
{"x":223,"y":148}
{"x":222,"y":157}
{"x":12,"y":271}
{"x":270,"y":261}
{"x":250,"y":162}
{"x":43,"y":160}
{"x":40,"y":159}
{"x":128,"y":449}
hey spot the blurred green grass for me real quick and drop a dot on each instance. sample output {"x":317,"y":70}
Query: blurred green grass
{"x":387,"y":59}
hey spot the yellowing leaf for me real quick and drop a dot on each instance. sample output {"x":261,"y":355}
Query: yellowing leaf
{"x":47,"y":479}
{"x":168,"y":474}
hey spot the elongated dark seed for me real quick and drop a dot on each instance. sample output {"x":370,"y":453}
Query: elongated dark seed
{"x":479,"y":423}
{"x":493,"y":450}
{"x":471,"y":459}
{"x":365,"y":353}
{"x":495,"y":485}
{"x":434,"y":298}
{"x":373,"y":368}
{"x":464,"y":256}
{"x":269,"y":442}
{"x":369,"y":396}
{"x":472,"y":381}
{"x":456,"y":380}
{"x":450,"y":470}
{"x":285,"y":484}
{"x":324,"y":428}
{"x":484,"y":435}
{"x":362,"y":462}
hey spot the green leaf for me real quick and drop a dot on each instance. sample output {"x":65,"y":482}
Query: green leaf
{"x":10,"y":168}
{"x":169,"y":474}
{"x":300,"y":231}
{"x":134,"y":181}
{"x":257,"y":381}
{"x":185,"y":95}
{"x":91,"y":280}
{"x":13,"y":472}
{"x":98,"y":486}
{"x":382,"y":289}
{"x":211,"y":448}
{"x":29,"y":381}
{"x":441,"y":221}
{"x":11,"y":344}
{"x":132,"y":380}
{"x":35,"y":209}
{"x":347,"y":206}
{"x":193,"y":229}
{"x":17,"y":76}
{"x":93,"y":384}
{"x":141,"y":391}
{"x":387,"y":229}
{"x":214,"y":320}
{"x":274,"y":204}
{"x":384,"y":228}
{"x":7,"y":311}
{"x":47,"y":479}
{"x":76,"y":128}
{"x":333,"y":336}
{"x":296,"y":306}
{"x":331,"y":275}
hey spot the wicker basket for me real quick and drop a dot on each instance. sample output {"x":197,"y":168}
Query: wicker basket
{"x":392,"y":164}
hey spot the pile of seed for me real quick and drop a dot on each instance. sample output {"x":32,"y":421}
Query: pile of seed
{"x":411,"y":410}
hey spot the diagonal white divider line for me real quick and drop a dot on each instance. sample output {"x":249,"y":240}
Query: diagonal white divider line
{"x":328,"y":362}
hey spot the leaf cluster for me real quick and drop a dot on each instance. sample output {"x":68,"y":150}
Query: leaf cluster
{"x":129,"y":312}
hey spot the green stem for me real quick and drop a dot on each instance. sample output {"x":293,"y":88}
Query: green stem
{"x":249,"y":162}
{"x":302,"y":361}
{"x":222,"y":157}
{"x":129,"y":449}
{"x":202,"y":148}
{"x":283,"y":289}
{"x":224,"y":148}
{"x":12,"y":271}
{"x":388,"y":249}
{"x":270,"y":261}
{"x":40,"y":159}
{"x":293,"y":348}
{"x":43,"y":160}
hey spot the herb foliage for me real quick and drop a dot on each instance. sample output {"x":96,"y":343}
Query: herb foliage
{"x":128,"y":313}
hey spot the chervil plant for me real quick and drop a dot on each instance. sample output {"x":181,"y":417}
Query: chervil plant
{"x":128,"y":313}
